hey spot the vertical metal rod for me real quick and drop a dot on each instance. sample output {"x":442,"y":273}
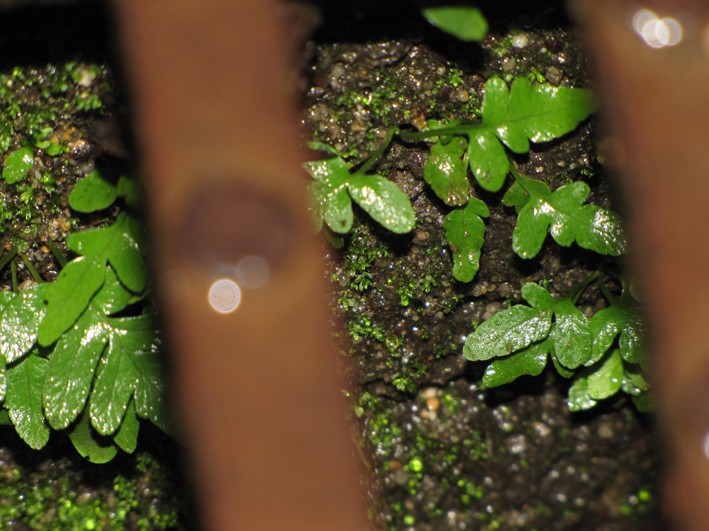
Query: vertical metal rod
{"x":238,"y":270}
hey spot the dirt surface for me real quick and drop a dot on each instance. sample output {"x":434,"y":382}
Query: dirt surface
{"x":446,"y":453}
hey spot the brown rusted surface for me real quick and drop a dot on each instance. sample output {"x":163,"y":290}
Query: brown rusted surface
{"x":258,"y":388}
{"x":658,"y":102}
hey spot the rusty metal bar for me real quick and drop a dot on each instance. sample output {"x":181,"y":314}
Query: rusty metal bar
{"x":657,"y":95}
{"x":257,"y":386}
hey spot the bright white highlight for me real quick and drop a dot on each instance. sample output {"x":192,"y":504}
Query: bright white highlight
{"x":224,"y":295}
{"x":655,"y":31}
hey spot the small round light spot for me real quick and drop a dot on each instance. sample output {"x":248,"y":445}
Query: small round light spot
{"x":655,"y":31}
{"x":224,"y":295}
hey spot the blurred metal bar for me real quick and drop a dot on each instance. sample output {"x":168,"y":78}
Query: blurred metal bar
{"x":653,"y":62}
{"x":258,"y":387}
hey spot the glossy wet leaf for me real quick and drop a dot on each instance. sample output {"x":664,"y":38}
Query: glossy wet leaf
{"x":18,"y":164}
{"x":126,"y":437}
{"x":463,"y":22}
{"x":563,"y":215}
{"x":117,"y":245}
{"x":600,"y":230}
{"x":631,"y":339}
{"x":538,"y":113}
{"x":73,"y":363}
{"x":529,"y":361}
{"x":506,"y":332}
{"x":69,"y":296}
{"x":384,"y":201}
{"x":446,"y":171}
{"x":572,"y":335}
{"x":92,"y":193}
{"x":332,"y":201}
{"x":121,"y":371}
{"x":488,"y":160}
{"x":3,"y":380}
{"x":516,"y":196}
{"x":606,"y":379}
{"x":561,"y":370}
{"x":112,"y":297}
{"x":115,"y":382}
{"x":633,"y":382}
{"x":150,"y":392}
{"x":108,"y":277}
{"x":71,"y":370}
{"x":24,"y":400}
{"x":579,"y":397}
{"x":92,"y":242}
{"x":129,"y":189}
{"x":336,"y":187}
{"x":90,"y":445}
{"x":20,"y":315}
{"x":642,"y":402}
{"x":517,"y":115}
{"x":138,"y":231}
{"x":538,"y":297}
{"x":125,"y":256}
{"x":465,"y":231}
{"x":612,"y":322}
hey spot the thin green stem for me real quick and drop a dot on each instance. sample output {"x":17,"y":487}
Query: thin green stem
{"x":374,"y":157}
{"x":626,"y":298}
{"x":33,"y":272}
{"x":463,"y":129}
{"x":7,"y":257}
{"x":13,"y":273}
{"x":585,"y":284}
{"x":519,"y":178}
{"x":607,"y":294}
{"x":57,"y":253}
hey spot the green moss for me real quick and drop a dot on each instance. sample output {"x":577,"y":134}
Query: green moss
{"x":409,"y":375}
{"x":361,"y":254}
{"x":56,"y":498}
{"x":639,"y":502}
{"x":543,"y":511}
{"x":39,"y":110}
{"x":469,"y":491}
{"x":382,"y":433}
{"x":377,"y":99}
{"x":362,"y":327}
{"x":409,"y":288}
{"x":476,"y":447}
{"x":419,"y":458}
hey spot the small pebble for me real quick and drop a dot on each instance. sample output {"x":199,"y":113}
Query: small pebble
{"x":520,"y":40}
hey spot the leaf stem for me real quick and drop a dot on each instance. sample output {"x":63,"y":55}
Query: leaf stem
{"x":57,"y":253}
{"x":607,"y":294}
{"x":7,"y":257}
{"x":32,"y":270}
{"x":585,"y":284}
{"x":519,"y":178}
{"x":461,"y":129}
{"x":372,"y":160}
{"x":13,"y":273}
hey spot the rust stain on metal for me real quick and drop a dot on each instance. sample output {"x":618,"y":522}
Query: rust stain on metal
{"x":228,"y":222}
